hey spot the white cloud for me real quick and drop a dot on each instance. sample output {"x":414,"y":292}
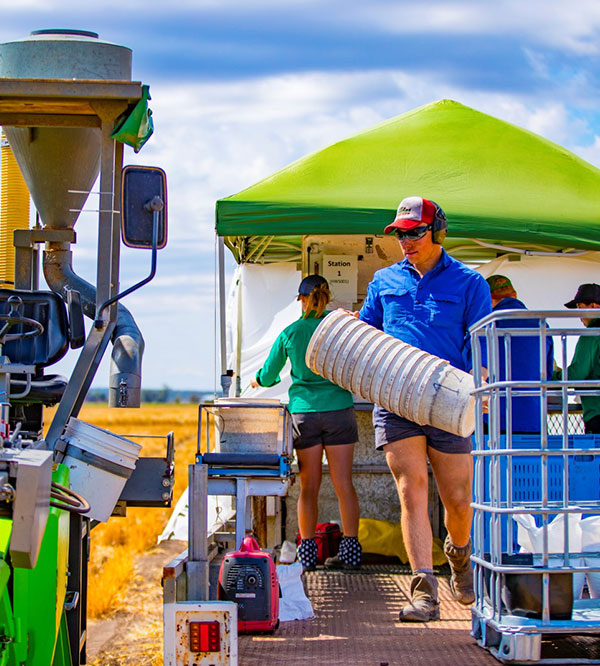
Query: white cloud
{"x":573,"y":26}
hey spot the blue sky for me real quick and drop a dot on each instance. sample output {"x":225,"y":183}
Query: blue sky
{"x":242,"y":88}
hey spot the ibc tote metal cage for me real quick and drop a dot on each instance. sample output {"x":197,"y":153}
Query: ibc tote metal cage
{"x":525,"y":608}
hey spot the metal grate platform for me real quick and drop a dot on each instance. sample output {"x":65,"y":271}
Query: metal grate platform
{"x":356,"y":624}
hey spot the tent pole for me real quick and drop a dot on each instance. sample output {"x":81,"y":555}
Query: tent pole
{"x":226,"y":375}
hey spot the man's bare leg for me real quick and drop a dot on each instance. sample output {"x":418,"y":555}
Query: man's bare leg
{"x":407,"y":460}
{"x":454,"y":477}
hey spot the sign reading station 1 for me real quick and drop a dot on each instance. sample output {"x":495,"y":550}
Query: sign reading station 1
{"x":341,"y":271}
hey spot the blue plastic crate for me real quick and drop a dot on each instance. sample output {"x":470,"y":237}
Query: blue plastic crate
{"x":584,"y":478}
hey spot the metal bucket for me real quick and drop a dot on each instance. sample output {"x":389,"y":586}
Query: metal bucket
{"x":399,"y":377}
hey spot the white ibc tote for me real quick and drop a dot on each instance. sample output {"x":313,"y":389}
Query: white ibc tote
{"x":388,"y":372}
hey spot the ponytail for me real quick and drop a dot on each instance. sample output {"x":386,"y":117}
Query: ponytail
{"x":317,"y":300}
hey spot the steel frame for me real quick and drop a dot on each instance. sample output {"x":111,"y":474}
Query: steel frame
{"x":511,"y":638}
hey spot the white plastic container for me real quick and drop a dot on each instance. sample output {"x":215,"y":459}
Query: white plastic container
{"x":388,"y":372}
{"x":100,"y":463}
{"x":251,"y":425}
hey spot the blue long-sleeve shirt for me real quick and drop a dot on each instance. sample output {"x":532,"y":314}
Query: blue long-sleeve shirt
{"x":433,"y":312}
{"x":524,"y":365}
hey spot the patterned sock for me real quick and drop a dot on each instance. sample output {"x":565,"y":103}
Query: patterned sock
{"x":350,"y":551}
{"x":307,"y":552}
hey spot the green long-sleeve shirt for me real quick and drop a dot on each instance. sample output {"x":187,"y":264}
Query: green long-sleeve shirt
{"x":309,"y":392}
{"x":586,"y":365}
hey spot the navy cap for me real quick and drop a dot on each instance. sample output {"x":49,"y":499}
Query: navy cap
{"x":586,"y":293}
{"x":310,"y":282}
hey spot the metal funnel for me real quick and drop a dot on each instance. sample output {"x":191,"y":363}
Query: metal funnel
{"x":56,"y":161}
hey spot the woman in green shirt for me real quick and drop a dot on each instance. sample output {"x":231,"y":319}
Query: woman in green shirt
{"x":323,"y":418}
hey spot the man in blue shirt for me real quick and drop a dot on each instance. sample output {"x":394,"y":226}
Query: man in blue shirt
{"x":524,"y":358}
{"x":428,"y":300}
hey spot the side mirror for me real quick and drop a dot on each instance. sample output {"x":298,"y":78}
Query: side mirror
{"x":143,"y":195}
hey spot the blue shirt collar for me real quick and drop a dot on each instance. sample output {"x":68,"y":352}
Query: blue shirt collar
{"x":442,"y":263}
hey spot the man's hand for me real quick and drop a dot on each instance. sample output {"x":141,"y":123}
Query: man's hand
{"x":254,"y":383}
{"x":485,"y":403}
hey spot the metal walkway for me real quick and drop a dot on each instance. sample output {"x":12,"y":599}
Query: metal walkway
{"x":356,"y":624}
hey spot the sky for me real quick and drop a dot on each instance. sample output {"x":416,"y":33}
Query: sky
{"x":241,"y":88}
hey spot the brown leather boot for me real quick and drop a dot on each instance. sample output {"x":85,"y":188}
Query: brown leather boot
{"x":461,"y":580}
{"x":424,"y":605}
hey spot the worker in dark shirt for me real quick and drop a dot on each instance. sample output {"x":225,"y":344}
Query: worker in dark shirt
{"x":586,"y":360}
{"x":524,"y":358}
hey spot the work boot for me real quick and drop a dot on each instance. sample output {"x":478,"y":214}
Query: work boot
{"x":307,"y":554}
{"x":424,"y":605}
{"x":349,"y":556}
{"x":461,"y":580}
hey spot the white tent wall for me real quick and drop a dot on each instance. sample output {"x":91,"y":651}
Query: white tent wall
{"x":261,"y":303}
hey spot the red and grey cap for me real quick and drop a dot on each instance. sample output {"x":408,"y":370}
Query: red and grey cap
{"x":412,"y":212}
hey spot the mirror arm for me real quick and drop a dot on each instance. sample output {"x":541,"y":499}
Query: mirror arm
{"x":155,"y":205}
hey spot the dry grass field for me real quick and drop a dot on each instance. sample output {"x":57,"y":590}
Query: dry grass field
{"x":118,"y":586}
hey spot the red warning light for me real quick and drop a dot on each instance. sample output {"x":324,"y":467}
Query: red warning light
{"x":205,"y":637}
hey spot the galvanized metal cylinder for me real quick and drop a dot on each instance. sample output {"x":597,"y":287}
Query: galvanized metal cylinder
{"x":64,"y":54}
{"x":400,"y":378}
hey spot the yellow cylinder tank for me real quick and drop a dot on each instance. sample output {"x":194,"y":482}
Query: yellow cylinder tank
{"x":14,"y":210}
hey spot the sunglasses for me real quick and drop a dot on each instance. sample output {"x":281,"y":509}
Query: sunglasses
{"x":412,"y":234}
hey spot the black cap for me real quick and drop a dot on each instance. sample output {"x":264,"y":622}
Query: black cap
{"x":586,"y":293}
{"x":310,"y":282}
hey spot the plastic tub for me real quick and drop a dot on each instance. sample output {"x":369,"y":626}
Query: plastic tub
{"x":100,"y":463}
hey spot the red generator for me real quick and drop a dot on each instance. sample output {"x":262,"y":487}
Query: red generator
{"x":248,"y":577}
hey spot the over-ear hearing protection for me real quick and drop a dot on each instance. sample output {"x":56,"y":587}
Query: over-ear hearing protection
{"x":439,"y":225}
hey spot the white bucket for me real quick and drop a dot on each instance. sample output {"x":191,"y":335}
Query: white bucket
{"x":100,"y":463}
{"x":399,"y":377}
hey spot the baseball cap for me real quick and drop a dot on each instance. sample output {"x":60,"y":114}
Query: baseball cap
{"x":309,"y":283}
{"x":412,"y":212}
{"x":499,"y":282}
{"x":586,"y":293}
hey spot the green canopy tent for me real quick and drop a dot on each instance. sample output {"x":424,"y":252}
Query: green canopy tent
{"x":498,"y":184}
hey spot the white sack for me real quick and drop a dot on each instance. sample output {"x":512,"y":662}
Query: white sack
{"x":590,"y":542}
{"x":294,"y":604}
{"x":530,"y":537}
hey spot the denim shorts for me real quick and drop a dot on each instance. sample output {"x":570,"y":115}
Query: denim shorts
{"x":390,"y":427}
{"x":324,"y":428}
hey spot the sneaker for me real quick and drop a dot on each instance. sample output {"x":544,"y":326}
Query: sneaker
{"x":424,"y":606}
{"x":461,"y":579}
